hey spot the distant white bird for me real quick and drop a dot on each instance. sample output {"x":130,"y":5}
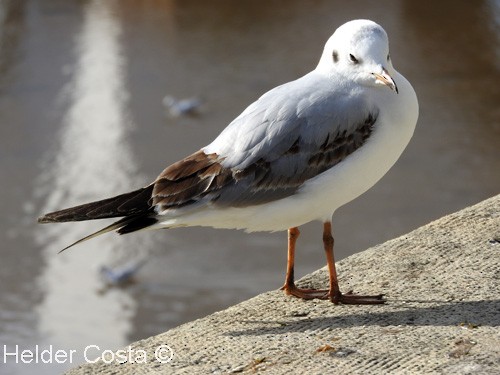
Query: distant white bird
{"x":182,"y":107}
{"x":295,"y":155}
{"x":120,"y":275}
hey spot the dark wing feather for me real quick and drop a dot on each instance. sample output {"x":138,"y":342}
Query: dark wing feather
{"x":189,"y":180}
{"x":135,"y":202}
{"x":133,"y":207}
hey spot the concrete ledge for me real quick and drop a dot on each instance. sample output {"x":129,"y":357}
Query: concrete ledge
{"x":442,"y":282}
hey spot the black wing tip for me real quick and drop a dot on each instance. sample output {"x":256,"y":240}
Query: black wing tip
{"x":137,"y":223}
{"x":128,"y":204}
{"x":57,"y":217}
{"x":45,"y":219}
{"x":66,"y":248}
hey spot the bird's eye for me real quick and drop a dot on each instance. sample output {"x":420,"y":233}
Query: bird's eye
{"x":353,"y":59}
{"x":388,"y":57}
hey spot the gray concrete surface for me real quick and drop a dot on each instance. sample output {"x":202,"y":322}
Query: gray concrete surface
{"x":442,"y":315}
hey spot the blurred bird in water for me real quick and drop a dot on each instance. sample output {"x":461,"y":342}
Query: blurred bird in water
{"x":182,"y":107}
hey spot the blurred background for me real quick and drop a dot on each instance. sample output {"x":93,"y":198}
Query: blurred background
{"x":83,"y":117}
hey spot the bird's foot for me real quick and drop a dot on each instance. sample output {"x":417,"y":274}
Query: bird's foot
{"x":292,"y":290}
{"x":337,"y":298}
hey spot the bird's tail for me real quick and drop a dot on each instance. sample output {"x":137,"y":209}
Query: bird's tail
{"x":134,"y":208}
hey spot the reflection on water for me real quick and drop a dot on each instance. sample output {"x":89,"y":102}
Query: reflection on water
{"x":92,"y":156}
{"x":10,"y":14}
{"x":493,"y":8}
{"x":78,"y":80}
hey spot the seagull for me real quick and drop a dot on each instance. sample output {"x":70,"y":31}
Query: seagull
{"x":182,"y":107}
{"x":120,"y":276}
{"x":295,"y":155}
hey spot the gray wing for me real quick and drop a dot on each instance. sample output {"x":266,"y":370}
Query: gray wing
{"x":291,"y":134}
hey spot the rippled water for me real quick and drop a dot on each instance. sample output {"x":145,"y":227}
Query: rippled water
{"x":81,"y":118}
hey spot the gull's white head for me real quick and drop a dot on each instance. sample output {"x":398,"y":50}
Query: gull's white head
{"x":359,"y":51}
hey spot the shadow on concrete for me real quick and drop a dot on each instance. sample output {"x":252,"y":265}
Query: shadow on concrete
{"x":475,"y":313}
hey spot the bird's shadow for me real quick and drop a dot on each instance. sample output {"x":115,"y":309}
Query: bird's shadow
{"x":469,"y":314}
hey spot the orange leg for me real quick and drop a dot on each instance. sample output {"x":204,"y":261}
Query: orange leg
{"x":289,"y":287}
{"x":333,"y":293}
